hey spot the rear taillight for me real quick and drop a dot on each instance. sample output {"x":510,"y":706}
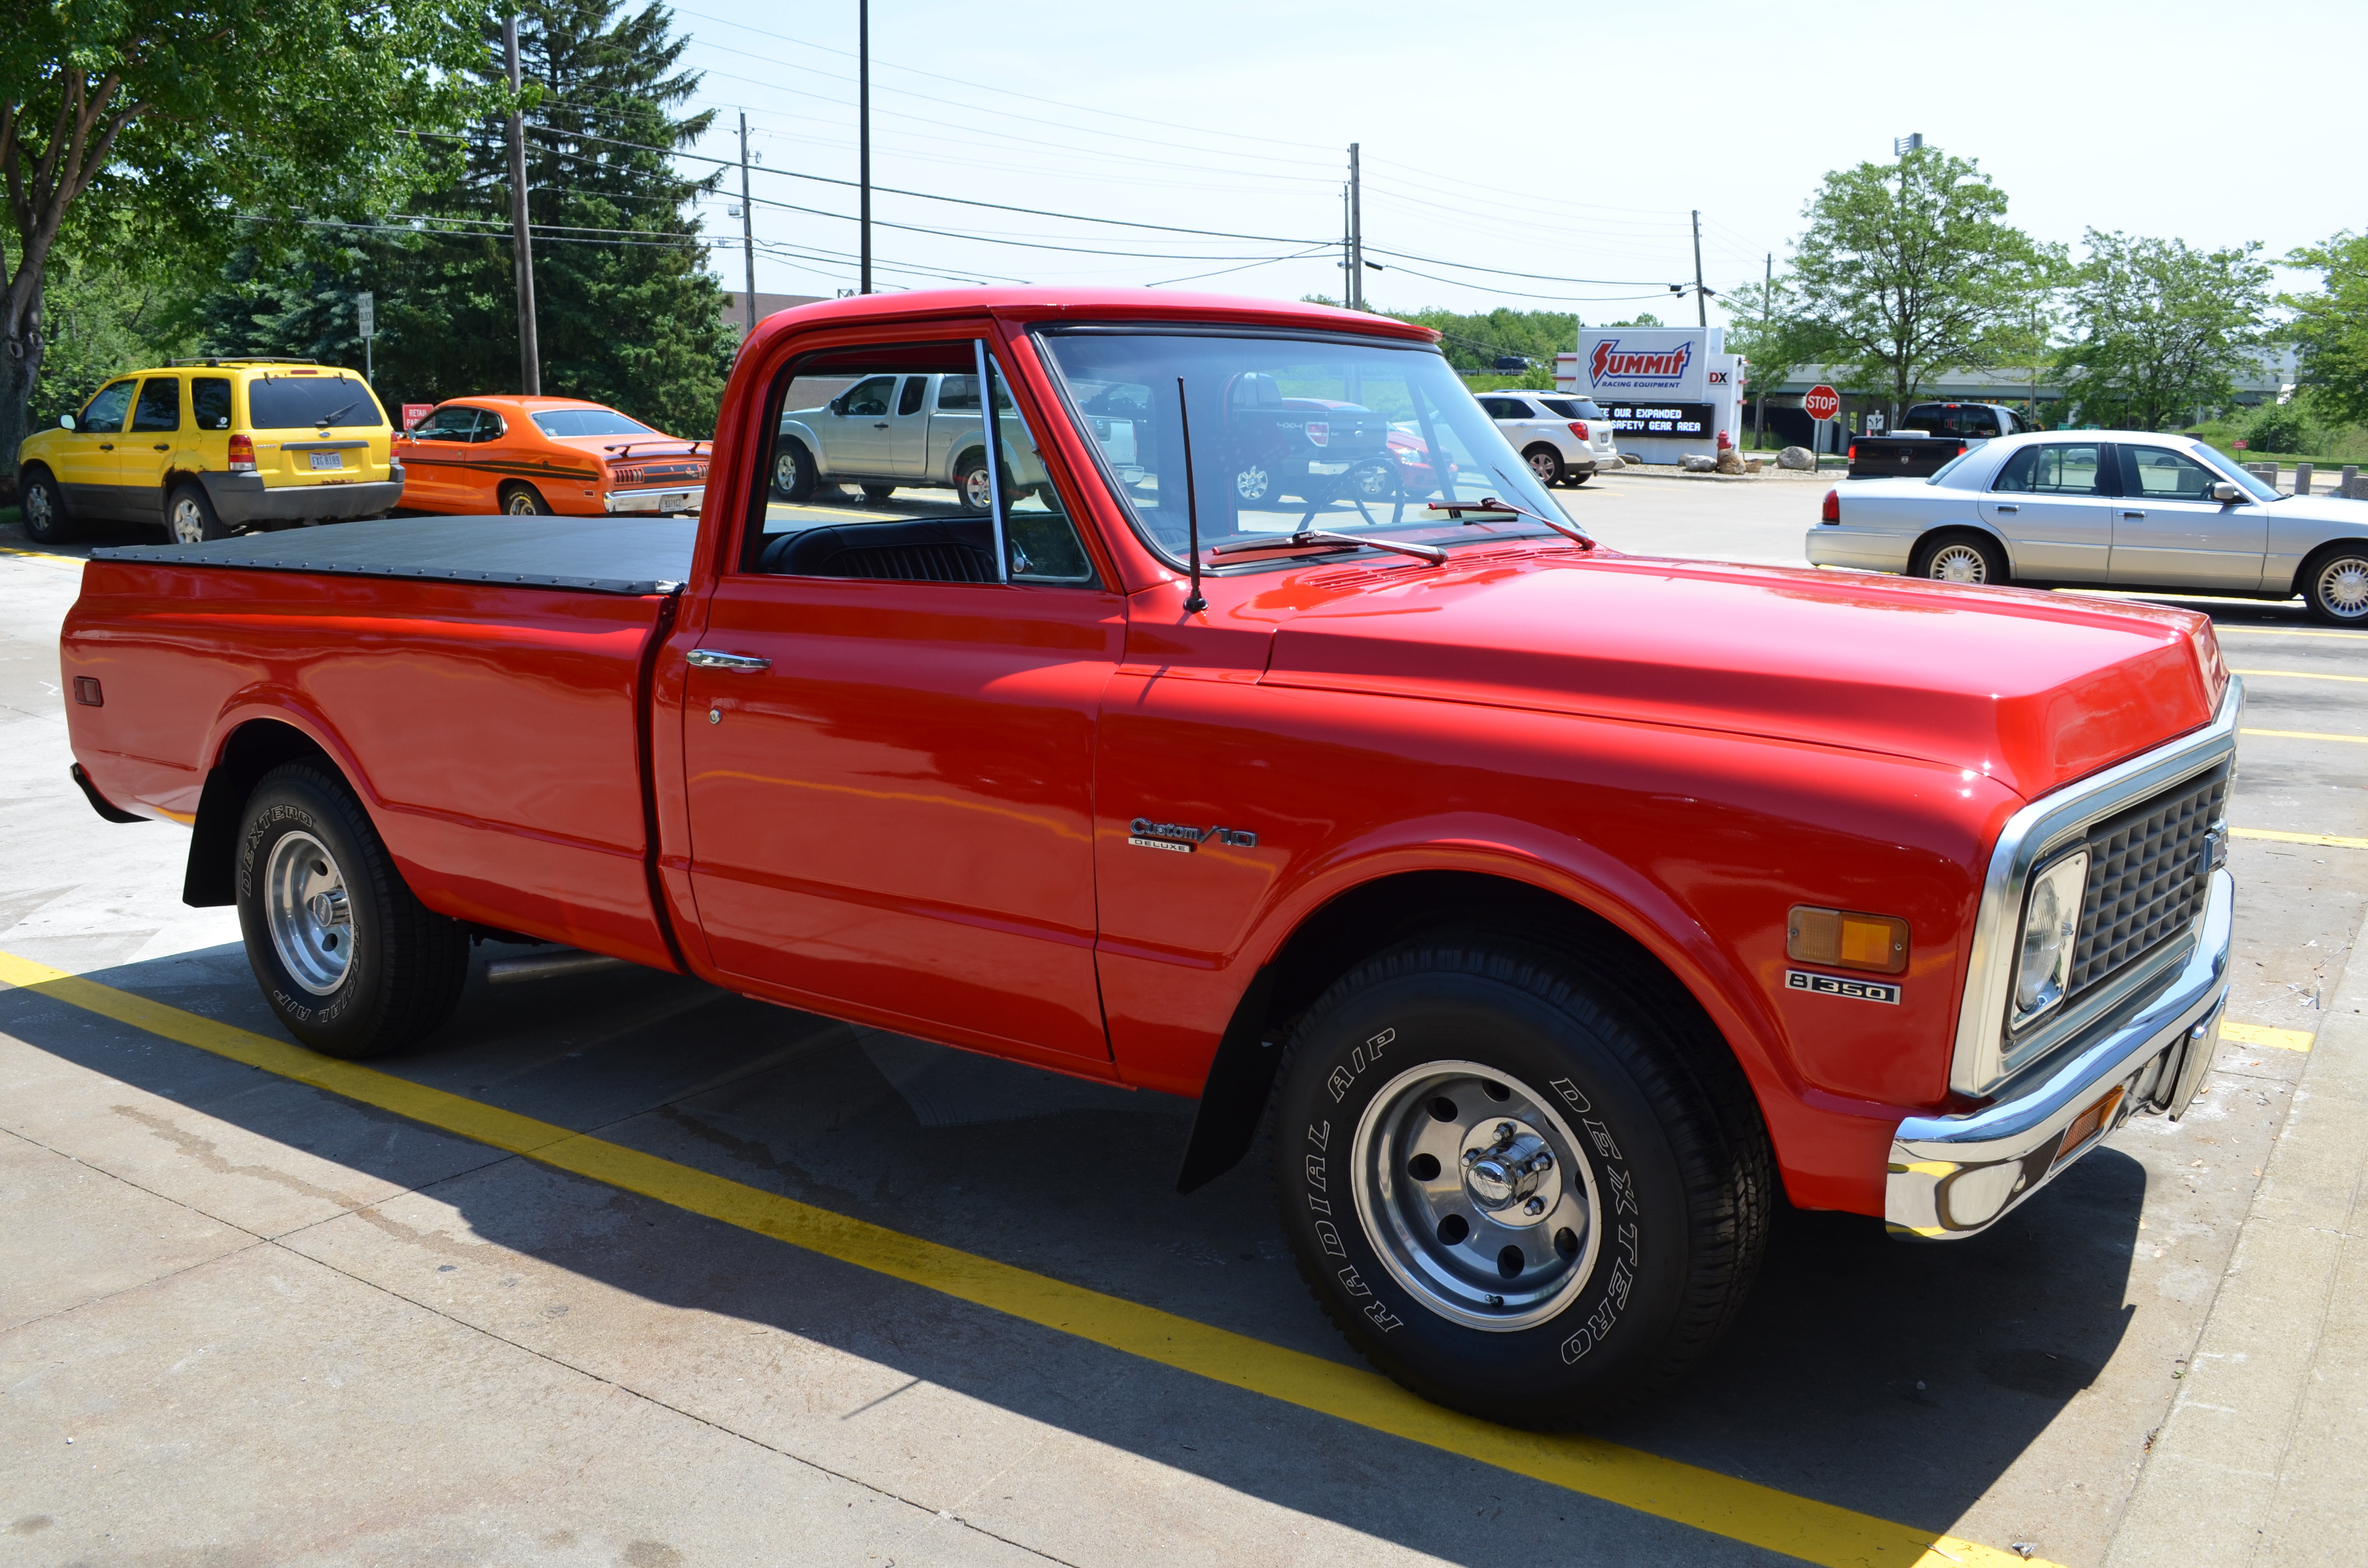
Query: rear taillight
{"x":1961,"y":449}
{"x":1578,"y":429}
{"x":242,"y":453}
{"x":1832,"y":510}
{"x":1853,"y":451}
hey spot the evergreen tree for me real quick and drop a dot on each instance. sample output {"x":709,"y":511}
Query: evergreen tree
{"x":626,"y":311}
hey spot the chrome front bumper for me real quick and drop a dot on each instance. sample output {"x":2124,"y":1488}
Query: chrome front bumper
{"x":659,"y":499}
{"x":1951,"y":1176}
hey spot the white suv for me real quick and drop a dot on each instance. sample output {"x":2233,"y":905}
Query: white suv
{"x":1564,"y":439}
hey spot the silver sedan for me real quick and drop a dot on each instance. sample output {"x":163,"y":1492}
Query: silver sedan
{"x":2112,"y":509}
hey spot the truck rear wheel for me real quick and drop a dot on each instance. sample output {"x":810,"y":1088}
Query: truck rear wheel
{"x":1506,"y":1186}
{"x":353,"y":964}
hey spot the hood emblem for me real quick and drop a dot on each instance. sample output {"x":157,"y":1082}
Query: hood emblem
{"x":1178,"y":839}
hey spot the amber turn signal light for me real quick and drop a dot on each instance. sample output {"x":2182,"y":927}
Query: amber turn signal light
{"x":1843,"y":938}
{"x":2092,"y":1121}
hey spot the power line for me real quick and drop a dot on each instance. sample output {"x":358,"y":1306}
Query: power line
{"x":1534,"y":277}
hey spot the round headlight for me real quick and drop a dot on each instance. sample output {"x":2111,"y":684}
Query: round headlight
{"x":2050,"y":919}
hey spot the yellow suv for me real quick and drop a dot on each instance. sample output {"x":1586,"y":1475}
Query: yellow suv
{"x":210,"y":448}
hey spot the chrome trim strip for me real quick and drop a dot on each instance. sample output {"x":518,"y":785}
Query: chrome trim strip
{"x":1979,"y":1063}
{"x":2009,"y":1151}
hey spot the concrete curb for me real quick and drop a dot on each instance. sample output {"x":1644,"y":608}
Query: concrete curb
{"x":2264,"y":1458}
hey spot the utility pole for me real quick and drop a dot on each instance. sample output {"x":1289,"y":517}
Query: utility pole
{"x":1702,"y":305}
{"x":1767,"y":325}
{"x":748,"y":223}
{"x":863,"y":127}
{"x":1356,"y":234}
{"x":529,"y":350}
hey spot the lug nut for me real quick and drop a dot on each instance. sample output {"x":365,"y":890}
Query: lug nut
{"x":1534,"y":1206}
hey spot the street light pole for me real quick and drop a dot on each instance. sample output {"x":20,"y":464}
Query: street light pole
{"x":1702,"y":306}
{"x":863,"y":127}
{"x":522,"y":242}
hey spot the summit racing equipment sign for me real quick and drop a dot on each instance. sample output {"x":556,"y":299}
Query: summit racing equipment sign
{"x":1658,"y":365}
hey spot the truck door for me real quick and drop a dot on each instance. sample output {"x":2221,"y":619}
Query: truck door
{"x":888,"y":749}
{"x":2053,"y":504}
{"x":855,"y":430}
{"x":2169,"y":530}
{"x":147,"y":449}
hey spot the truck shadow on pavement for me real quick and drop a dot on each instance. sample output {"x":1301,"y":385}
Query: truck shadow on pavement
{"x":1897,"y":1380}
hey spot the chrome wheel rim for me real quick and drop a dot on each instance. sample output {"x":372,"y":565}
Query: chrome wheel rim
{"x":1458,"y":1205}
{"x":1959,"y":563}
{"x":1251,"y":483}
{"x":523,"y":505}
{"x":1374,"y":481}
{"x":2343,"y":587}
{"x":38,"y":515}
{"x":311,"y":919}
{"x":1542,"y":464}
{"x":975,"y":491}
{"x":189,"y":523}
{"x":785,"y":472}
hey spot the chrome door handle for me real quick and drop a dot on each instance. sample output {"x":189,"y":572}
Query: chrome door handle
{"x":2004,"y":509}
{"x":2133,"y":514}
{"x":709,"y":659}
{"x":881,"y":425}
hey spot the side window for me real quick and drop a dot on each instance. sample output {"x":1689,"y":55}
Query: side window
{"x":938,"y":522}
{"x":447,"y":425}
{"x":1505,"y":408}
{"x":2068,"y":470}
{"x":210,"y":401}
{"x":1979,"y":423}
{"x":2164,"y":475}
{"x":489,"y":426}
{"x":103,"y":415}
{"x":159,"y":409}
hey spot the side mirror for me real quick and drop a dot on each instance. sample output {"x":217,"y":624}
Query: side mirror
{"x":2228,"y":492}
{"x":65,"y":422}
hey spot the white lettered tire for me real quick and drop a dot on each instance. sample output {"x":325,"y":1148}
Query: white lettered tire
{"x":1515,"y":1187}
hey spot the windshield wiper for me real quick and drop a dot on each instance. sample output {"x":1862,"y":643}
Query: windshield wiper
{"x":1324,"y":538}
{"x":1490,"y":504}
{"x":331,"y":418}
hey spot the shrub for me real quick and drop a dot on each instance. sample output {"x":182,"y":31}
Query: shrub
{"x":2278,"y":427}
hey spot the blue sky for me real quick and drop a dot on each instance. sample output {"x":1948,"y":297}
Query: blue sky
{"x":1566,"y":141}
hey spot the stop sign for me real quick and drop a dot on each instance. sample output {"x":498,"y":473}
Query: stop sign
{"x":1822,"y":403}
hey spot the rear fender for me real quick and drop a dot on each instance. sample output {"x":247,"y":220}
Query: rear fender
{"x":257,"y":731}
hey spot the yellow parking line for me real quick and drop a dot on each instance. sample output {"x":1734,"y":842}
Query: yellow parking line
{"x":2307,"y":735}
{"x":2224,"y":628}
{"x":2323,"y":840}
{"x":2300,"y":674}
{"x":38,"y":554}
{"x":1666,"y":1489}
{"x":2261,"y":1034}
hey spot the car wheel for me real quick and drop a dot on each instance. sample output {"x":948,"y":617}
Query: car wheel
{"x":524,"y":501}
{"x":351,"y":962}
{"x":1253,"y":482}
{"x":44,"y":510}
{"x":1546,"y":464}
{"x":1372,"y":482}
{"x":971,"y":485}
{"x":2335,"y":585}
{"x":877,"y":495}
{"x":1960,"y":558}
{"x":189,"y":516}
{"x":793,"y":470}
{"x":1508,"y":1185}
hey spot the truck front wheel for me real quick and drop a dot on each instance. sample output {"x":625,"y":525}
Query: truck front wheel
{"x":1504,"y":1184}
{"x":793,"y":470}
{"x":351,"y":962}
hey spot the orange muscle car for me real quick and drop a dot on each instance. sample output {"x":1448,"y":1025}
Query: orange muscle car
{"x":534,"y":454}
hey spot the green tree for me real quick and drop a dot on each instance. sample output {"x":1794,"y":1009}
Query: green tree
{"x":1473,"y":340}
{"x":2165,"y":328}
{"x":1767,"y":326}
{"x":100,"y":317}
{"x":2332,"y":325}
{"x":627,"y":313}
{"x":185,"y":120}
{"x":1910,"y":267}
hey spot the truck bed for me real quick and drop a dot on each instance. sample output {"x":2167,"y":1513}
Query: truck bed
{"x":601,"y":555}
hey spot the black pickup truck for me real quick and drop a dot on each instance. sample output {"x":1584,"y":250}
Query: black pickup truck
{"x":1930,"y":435}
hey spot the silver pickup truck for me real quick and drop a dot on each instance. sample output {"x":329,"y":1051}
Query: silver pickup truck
{"x":887,"y":432}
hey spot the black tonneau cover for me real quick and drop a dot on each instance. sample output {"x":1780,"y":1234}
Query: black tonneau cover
{"x":598,"y":555}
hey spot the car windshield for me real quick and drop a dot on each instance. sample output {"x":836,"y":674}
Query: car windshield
{"x":1574,"y":407}
{"x":563,"y":423}
{"x":286,"y":403}
{"x":1289,"y":435}
{"x":2250,"y":483}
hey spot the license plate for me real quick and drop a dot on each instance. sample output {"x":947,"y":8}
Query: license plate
{"x":327,"y":459}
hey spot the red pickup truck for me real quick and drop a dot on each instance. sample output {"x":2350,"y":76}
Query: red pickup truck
{"x":1554,"y":914}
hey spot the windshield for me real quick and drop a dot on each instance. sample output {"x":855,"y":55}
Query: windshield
{"x":2236,"y":474}
{"x":285,"y":402}
{"x":562,"y":422}
{"x":1574,"y":407}
{"x":1290,"y":434}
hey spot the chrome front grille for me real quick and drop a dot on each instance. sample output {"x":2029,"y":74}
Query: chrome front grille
{"x":2148,"y":872}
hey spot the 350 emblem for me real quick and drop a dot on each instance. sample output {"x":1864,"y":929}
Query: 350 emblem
{"x":1834,"y":986}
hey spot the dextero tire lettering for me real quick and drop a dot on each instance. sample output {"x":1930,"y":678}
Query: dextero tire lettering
{"x":1507,"y":1182}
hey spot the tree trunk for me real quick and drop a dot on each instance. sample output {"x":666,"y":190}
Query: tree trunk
{"x":21,"y":347}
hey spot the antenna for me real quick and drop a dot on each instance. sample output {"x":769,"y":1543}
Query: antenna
{"x":1194,"y":604}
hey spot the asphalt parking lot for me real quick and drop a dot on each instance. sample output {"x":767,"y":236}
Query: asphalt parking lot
{"x":244,"y":1319}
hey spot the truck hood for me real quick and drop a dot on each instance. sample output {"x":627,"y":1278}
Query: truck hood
{"x":2034,"y":689}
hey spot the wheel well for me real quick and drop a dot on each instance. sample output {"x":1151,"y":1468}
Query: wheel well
{"x":1932,"y":539}
{"x":254,"y":749}
{"x":1380,"y":914}
{"x":2311,"y":563}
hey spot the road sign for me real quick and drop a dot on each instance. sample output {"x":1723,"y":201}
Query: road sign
{"x":1822,"y":403}
{"x":366,"y":313}
{"x":413,"y":412}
